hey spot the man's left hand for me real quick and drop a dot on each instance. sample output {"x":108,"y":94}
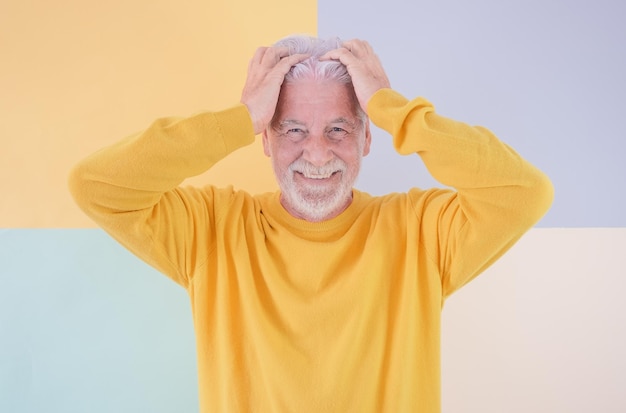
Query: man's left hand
{"x":364,"y":66}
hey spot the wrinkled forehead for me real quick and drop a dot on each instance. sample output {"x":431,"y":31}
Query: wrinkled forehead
{"x":304,"y":98}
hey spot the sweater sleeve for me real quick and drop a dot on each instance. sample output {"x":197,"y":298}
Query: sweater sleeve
{"x":131,"y":189}
{"x":498,"y":195}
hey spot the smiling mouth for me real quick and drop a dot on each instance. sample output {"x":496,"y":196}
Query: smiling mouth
{"x":318,"y":177}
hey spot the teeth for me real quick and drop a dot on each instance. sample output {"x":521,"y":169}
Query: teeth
{"x":318,"y":176}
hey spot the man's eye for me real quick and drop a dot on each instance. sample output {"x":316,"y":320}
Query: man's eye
{"x":295,"y":134}
{"x":337,"y":132}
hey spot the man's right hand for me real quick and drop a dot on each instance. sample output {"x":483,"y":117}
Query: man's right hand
{"x":266,"y":73}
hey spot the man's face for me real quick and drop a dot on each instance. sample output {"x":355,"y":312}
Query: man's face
{"x":316,"y":142}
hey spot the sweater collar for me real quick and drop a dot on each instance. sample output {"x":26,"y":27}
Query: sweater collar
{"x":318,"y":231}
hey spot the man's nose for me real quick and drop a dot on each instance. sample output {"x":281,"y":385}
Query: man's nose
{"x":317,"y":150}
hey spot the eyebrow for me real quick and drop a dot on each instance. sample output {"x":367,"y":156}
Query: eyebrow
{"x":343,"y":120}
{"x":288,"y":122}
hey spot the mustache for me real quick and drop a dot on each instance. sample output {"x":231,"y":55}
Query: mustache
{"x":308,"y":169}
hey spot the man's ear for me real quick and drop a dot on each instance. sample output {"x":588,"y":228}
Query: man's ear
{"x":368,"y":138}
{"x":266,"y":144}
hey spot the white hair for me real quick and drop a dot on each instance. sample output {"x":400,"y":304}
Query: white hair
{"x":314,"y":69}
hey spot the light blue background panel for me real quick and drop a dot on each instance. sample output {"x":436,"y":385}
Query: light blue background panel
{"x":87,"y":327}
{"x":546,"y":76}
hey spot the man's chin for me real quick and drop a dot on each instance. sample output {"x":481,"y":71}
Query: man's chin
{"x":317,"y":202}
{"x":317,"y":199}
{"x":319,"y":206}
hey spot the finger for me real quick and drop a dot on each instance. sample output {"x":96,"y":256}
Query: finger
{"x":295,"y":58}
{"x":273,"y":55}
{"x":359,"y":48}
{"x":287,"y":62}
{"x":256,"y":58}
{"x":342,"y":54}
{"x":351,"y":44}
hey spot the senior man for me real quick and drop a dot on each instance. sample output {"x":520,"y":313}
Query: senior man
{"x":319,"y":297}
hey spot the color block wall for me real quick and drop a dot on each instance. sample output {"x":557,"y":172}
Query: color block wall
{"x":85,"y":326}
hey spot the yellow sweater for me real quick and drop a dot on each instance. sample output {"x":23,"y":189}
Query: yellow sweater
{"x":337,"y":316}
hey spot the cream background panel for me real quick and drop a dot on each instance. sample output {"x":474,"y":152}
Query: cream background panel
{"x":78,"y":75}
{"x":543,"y":330}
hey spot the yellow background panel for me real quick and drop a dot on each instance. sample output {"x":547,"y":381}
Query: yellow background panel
{"x":79,"y":75}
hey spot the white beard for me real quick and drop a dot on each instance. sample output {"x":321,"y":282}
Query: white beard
{"x":317,"y":202}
